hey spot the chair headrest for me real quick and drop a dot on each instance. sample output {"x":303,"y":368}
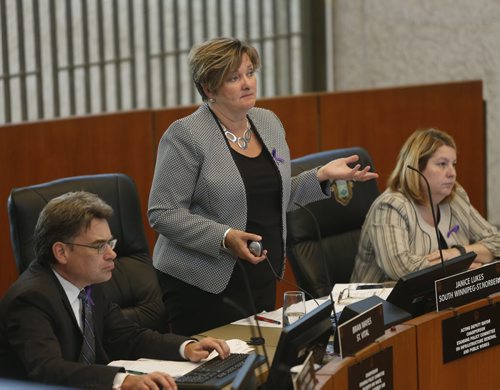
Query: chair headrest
{"x":340,"y":221}
{"x":116,"y":189}
{"x":333,"y":217}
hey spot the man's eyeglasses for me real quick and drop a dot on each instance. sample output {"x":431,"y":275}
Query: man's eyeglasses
{"x":99,"y":247}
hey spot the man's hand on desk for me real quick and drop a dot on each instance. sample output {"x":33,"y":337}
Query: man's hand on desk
{"x":201,"y":349}
{"x":153,"y":380}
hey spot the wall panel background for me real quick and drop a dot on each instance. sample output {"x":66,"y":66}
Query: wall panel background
{"x":379,"y":120}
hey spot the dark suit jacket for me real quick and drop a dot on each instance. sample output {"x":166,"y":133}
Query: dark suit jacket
{"x":40,"y":339}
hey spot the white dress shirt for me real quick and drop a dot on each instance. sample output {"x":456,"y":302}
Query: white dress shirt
{"x":72,"y":293}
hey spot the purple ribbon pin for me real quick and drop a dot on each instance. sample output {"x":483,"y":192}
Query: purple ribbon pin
{"x":88,"y":295}
{"x":277,"y":158}
{"x":454,"y":229}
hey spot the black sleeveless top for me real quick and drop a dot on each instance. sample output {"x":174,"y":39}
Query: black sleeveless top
{"x":263,"y":189}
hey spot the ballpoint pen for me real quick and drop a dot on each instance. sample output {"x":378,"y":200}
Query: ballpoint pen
{"x":270,"y":320}
{"x":369,"y":286}
{"x":135,"y":372}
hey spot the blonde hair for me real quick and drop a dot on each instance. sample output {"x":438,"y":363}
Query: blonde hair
{"x":416,"y":152}
{"x":213,"y":60}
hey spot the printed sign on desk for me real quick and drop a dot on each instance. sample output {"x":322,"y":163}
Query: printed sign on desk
{"x":466,"y":287}
{"x":361,"y":330}
{"x":306,"y":377}
{"x":470,"y":332}
{"x":373,"y":373}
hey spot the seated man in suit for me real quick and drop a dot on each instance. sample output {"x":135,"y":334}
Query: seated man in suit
{"x":56,"y":324}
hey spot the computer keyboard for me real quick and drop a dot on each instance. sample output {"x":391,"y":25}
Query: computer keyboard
{"x":213,"y":374}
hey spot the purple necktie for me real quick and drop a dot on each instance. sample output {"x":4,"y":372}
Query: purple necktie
{"x":87,"y":355}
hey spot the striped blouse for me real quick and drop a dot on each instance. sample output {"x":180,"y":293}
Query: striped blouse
{"x":395,"y":238}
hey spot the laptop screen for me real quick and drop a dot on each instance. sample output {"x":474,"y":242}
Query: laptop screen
{"x":310,"y":333}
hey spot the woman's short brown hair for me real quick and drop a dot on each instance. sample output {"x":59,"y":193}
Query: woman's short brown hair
{"x":416,"y":152}
{"x":213,"y":60}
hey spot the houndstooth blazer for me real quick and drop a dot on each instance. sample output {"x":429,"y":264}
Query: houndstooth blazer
{"x":198,"y":193}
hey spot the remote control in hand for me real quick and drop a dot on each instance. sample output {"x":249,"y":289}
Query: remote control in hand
{"x":255,"y":247}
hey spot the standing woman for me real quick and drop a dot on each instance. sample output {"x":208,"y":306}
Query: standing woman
{"x":399,"y":237}
{"x":222,"y":179}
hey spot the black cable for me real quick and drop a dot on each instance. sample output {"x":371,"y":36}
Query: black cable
{"x":254,"y":309}
{"x":289,"y":282}
{"x":434,"y":219}
{"x":323,"y":259}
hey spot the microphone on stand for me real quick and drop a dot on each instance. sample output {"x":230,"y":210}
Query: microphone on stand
{"x":255,"y":340}
{"x":391,"y":313}
{"x":434,"y":219}
{"x":323,"y":259}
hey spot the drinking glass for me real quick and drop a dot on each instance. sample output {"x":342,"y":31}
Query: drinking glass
{"x":294,"y":306}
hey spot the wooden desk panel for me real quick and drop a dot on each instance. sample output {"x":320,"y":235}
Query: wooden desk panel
{"x":324,"y":382}
{"x":33,"y":153}
{"x":476,"y":371}
{"x":417,"y":356}
{"x":164,"y":118}
{"x":231,"y":331}
{"x":271,"y":335}
{"x":402,"y":340}
{"x":381,"y":120}
{"x":299,"y":115}
{"x":300,"y":118}
{"x":334,"y":375}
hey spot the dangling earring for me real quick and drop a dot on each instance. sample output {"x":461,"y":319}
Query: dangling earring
{"x":211,"y":100}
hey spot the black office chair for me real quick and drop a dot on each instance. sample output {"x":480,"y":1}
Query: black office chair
{"x":340,"y":221}
{"x":134,"y":285}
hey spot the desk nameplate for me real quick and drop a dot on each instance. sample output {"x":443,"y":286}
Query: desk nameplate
{"x":470,"y":332}
{"x":361,"y":330}
{"x":466,"y":287}
{"x":374,"y":372}
{"x":306,"y":378}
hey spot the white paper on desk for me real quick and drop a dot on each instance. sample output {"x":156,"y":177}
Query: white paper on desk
{"x":276,"y":315}
{"x":173,"y":368}
{"x":356,"y":295}
{"x":176,"y":368}
{"x":272,"y":315}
